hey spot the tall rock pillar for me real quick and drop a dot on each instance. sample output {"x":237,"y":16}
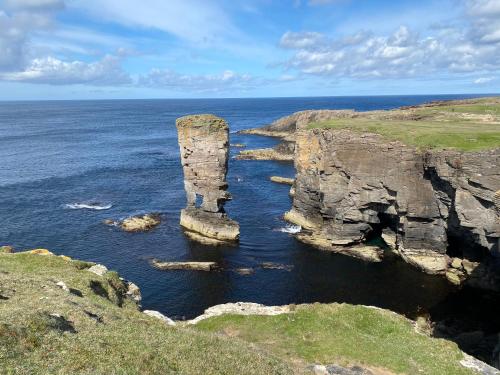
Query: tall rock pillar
{"x":204,"y":147}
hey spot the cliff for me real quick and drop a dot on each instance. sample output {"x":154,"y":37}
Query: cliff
{"x":425,"y":178}
{"x":63,"y":316}
{"x":350,"y":186}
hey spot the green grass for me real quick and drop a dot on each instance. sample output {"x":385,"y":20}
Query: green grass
{"x":124,"y":341}
{"x":465,"y":127}
{"x":345,"y":334}
{"x":94,"y":330}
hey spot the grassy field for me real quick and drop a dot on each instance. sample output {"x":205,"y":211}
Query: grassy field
{"x":45,"y":330}
{"x":346,"y":335}
{"x":468,"y":127}
{"x":92,"y":329}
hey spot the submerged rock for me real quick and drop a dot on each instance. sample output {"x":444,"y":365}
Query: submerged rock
{"x":203,"y":141}
{"x":276,"y":266}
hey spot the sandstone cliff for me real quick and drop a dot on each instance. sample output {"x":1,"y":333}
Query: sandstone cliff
{"x":425,"y":178}
{"x":204,"y":148}
{"x":349,"y":186}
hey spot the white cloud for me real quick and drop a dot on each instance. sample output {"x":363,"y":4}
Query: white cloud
{"x":483,"y":80}
{"x":227,"y":80}
{"x":18,"y":21}
{"x":50,"y":70}
{"x":298,"y":40}
{"x":472,"y":47}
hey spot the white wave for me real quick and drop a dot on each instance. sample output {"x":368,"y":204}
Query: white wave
{"x":88,"y":206}
{"x":290,"y":229}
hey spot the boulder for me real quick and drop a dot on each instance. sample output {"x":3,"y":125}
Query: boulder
{"x":141,"y":223}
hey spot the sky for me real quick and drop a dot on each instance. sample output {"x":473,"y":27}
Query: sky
{"x":97,"y":49}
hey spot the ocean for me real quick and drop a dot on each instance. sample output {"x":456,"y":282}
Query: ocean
{"x":66,"y":166}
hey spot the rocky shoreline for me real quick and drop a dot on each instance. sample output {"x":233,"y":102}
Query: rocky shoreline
{"x":351,"y":186}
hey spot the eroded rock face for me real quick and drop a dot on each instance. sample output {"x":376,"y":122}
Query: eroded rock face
{"x":204,"y":147}
{"x":349,"y":185}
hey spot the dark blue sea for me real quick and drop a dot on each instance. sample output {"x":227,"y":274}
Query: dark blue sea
{"x":56,"y":156}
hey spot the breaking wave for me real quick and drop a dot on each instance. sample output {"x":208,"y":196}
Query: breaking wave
{"x":290,"y":229}
{"x":97,"y":206}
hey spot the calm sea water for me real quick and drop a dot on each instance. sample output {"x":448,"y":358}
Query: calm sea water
{"x":124,"y":154}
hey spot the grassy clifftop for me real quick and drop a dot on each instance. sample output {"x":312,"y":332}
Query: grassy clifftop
{"x":466,"y":125}
{"x":47,"y":330}
{"x":87,"y":326}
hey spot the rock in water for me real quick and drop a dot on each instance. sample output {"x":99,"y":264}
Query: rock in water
{"x":282,"y":180}
{"x":140,"y":223}
{"x":204,"y":146}
{"x":195,"y":266}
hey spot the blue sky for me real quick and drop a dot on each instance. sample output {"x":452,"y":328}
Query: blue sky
{"x":81,"y":49}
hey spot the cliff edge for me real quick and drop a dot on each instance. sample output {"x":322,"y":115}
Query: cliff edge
{"x":63,"y":316}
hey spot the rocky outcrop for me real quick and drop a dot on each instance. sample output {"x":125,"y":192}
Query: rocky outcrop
{"x":140,"y":223}
{"x":204,"y":148}
{"x":285,"y":127}
{"x":195,"y":266}
{"x":350,"y":186}
{"x":284,"y":151}
{"x":240,"y":308}
{"x":282,"y":180}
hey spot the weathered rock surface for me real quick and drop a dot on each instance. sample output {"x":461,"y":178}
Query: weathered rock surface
{"x":204,"y":147}
{"x":197,"y":266}
{"x":349,"y":185}
{"x":158,"y":315}
{"x":277,"y":153}
{"x":6,"y":249}
{"x":282,"y":180}
{"x":240,"y":308}
{"x":339,"y":370}
{"x":285,"y":127}
{"x":141,"y":223}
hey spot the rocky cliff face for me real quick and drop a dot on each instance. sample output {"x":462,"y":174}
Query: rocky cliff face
{"x":426,"y":205}
{"x":204,"y":147}
{"x":285,"y":128}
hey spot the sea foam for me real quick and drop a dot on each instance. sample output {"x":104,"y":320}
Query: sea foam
{"x":290,"y":229}
{"x":88,"y":206}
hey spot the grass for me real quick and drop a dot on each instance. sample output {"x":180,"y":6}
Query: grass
{"x":465,"y":127}
{"x":344,"y":334}
{"x":45,"y":330}
{"x":93,"y":329}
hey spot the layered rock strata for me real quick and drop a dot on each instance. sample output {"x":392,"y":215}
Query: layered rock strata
{"x":204,"y":149}
{"x":285,"y":128}
{"x":351,"y":185}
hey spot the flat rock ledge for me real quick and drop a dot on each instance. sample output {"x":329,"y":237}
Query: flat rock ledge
{"x":194,"y":266}
{"x":282,"y":180}
{"x":264,"y":154}
{"x":209,"y":227}
{"x":240,"y":308}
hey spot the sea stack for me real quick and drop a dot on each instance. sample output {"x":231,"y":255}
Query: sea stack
{"x":204,"y":147}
